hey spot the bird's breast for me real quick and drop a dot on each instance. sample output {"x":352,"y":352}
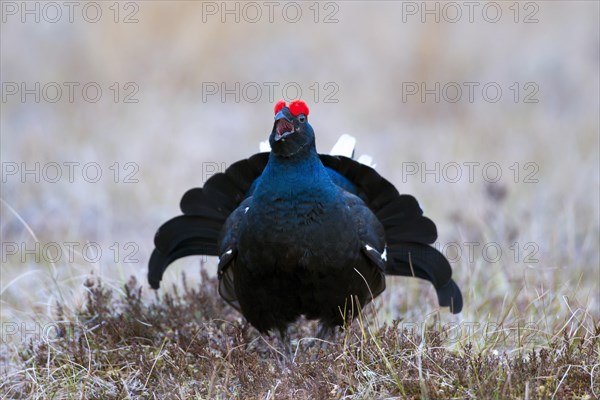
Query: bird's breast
{"x":298,"y":231}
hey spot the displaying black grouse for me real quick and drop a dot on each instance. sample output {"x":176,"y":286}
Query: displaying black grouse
{"x":298,"y":233}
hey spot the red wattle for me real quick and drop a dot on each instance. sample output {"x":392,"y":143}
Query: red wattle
{"x":298,"y":107}
{"x":280,"y":104}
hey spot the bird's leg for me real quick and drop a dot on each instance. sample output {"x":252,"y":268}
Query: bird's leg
{"x":325,"y":335}
{"x":325,"y":332}
{"x":286,"y":344}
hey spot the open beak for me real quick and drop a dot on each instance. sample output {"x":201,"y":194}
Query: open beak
{"x":283,"y":126}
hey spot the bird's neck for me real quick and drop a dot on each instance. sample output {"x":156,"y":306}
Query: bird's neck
{"x":305,"y":162}
{"x":296,"y":174}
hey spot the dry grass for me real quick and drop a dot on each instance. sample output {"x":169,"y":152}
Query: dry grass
{"x":189,"y":344}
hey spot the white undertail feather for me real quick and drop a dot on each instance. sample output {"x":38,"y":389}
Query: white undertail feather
{"x":264,"y":146}
{"x":343,"y":147}
{"x":367,"y":160}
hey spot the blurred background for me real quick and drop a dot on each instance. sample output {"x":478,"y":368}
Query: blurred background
{"x":487,"y":112}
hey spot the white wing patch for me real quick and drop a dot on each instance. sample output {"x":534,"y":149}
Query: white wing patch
{"x":383,"y":256}
{"x":228,"y":252}
{"x":246,"y":210}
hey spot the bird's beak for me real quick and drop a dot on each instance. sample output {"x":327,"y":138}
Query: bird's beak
{"x":280,"y":115}
{"x":283,"y":126}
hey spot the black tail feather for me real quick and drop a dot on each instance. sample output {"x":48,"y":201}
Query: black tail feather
{"x":372,"y":187}
{"x":243,"y":173}
{"x":182,"y":236}
{"x":425,"y":262}
{"x":420,"y":230}
{"x":159,"y":261}
{"x":404,"y":205}
{"x":196,"y":202}
{"x":223,"y":192}
{"x":449,"y":296}
{"x":179,"y":229}
{"x":156,"y":267}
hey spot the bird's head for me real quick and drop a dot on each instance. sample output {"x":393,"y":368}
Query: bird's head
{"x":292,"y":134}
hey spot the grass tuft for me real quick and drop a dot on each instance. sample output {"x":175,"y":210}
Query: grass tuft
{"x":189,"y":343}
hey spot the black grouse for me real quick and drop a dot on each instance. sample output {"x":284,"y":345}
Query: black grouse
{"x":300,"y":233}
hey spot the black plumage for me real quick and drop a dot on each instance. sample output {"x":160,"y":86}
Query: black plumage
{"x":298,"y":233}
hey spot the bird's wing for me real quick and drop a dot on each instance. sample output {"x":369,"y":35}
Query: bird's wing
{"x":226,"y":279}
{"x":228,"y":252}
{"x":371,"y":239}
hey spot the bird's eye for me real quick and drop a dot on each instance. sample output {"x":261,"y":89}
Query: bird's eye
{"x":301,"y":118}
